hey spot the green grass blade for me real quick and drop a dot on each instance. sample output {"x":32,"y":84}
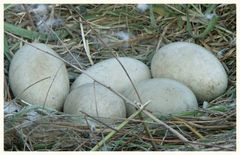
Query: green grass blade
{"x":32,"y":34}
{"x":118,"y":128}
{"x":6,"y":49}
{"x":8,"y":6}
{"x":24,"y":33}
{"x":152,"y":18}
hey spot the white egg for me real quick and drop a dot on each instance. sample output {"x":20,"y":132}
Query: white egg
{"x":110,"y":73}
{"x":35,"y":76}
{"x":192,"y":65}
{"x":166,"y":96}
{"x":96,"y":101}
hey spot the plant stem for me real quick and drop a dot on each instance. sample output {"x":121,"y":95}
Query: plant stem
{"x":118,"y":128}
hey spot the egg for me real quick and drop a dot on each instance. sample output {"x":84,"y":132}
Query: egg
{"x":97,"y":101}
{"x":36,"y":76}
{"x":192,"y":65}
{"x":110,"y":73}
{"x":166,"y":97}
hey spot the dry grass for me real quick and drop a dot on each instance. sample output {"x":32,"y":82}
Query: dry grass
{"x":213,"y":128}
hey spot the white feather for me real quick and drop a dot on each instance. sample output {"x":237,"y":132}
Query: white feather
{"x":123,"y":35}
{"x":205,"y":105}
{"x":45,"y":25}
{"x":209,"y":16}
{"x":142,"y":7}
{"x":11,"y":107}
{"x":41,"y":10}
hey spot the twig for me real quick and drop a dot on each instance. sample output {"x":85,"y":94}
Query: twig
{"x":166,"y":126}
{"x":103,"y":141}
{"x":212,"y":145}
{"x":190,"y":127}
{"x":97,"y":120}
{"x":55,"y":75}
{"x":17,"y":96}
{"x":162,"y":35}
{"x":148,"y":131}
{"x":85,"y":45}
{"x":163,"y":139}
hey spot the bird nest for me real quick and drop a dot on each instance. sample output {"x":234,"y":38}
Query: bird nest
{"x":131,"y":31}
